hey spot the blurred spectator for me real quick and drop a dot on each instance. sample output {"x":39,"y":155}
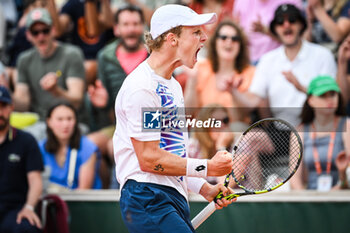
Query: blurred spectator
{"x":119,"y":58}
{"x":328,"y":22}
{"x":49,"y":71}
{"x":147,"y":6}
{"x":222,"y":8}
{"x":115,"y":62}
{"x":205,"y":142}
{"x":9,"y":11}
{"x":283,"y":74}
{"x":15,"y":37}
{"x":87,"y":22}
{"x":72,"y":159}
{"x":343,"y":69}
{"x":227,"y":62}
{"x":255,"y":16}
{"x":2,"y":29}
{"x":325,"y":133}
{"x":19,"y":42}
{"x":3,"y":76}
{"x":342,"y":163}
{"x":20,"y":174}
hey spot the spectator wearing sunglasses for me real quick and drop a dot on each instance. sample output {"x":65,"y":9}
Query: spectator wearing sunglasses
{"x":48,"y":71}
{"x":227,"y":63}
{"x":283,"y":74}
{"x":255,"y":16}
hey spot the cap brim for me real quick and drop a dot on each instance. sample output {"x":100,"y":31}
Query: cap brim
{"x":325,"y":89}
{"x":46,"y":22}
{"x":201,"y":19}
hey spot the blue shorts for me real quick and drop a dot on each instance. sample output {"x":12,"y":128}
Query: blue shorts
{"x":148,"y":207}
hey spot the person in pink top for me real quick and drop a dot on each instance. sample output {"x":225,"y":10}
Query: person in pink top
{"x":255,"y":16}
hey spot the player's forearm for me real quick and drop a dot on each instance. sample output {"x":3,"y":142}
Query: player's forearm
{"x":159,"y":161}
{"x":205,"y":190}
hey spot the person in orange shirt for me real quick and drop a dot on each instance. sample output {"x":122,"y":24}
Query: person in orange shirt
{"x":227,"y":62}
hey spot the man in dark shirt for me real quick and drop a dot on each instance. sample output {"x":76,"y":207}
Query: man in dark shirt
{"x":20,"y":174}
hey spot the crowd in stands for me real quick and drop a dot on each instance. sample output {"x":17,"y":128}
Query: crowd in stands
{"x":65,"y":60}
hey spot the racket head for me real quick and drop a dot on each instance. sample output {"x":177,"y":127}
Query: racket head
{"x":266,"y":156}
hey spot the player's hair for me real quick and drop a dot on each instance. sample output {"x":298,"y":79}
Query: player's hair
{"x":52,"y":145}
{"x":131,"y":8}
{"x":206,"y":143}
{"x":308,"y":114}
{"x":156,"y":44}
{"x":242,"y":60}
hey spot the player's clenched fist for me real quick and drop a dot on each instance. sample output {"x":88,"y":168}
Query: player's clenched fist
{"x":221,"y":164}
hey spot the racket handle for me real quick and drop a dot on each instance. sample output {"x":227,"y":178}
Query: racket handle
{"x":203,"y":215}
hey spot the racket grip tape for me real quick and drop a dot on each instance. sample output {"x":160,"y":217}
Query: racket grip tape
{"x":203,"y":215}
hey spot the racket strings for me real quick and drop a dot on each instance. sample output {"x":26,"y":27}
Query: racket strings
{"x":266,"y":157}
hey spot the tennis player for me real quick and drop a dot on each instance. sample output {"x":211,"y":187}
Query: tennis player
{"x":152,"y":165}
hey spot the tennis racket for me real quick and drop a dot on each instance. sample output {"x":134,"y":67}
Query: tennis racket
{"x":265,"y":157}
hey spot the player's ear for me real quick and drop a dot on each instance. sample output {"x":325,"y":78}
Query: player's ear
{"x":172,"y":38}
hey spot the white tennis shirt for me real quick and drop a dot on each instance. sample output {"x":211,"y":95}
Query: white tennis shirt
{"x":145,"y":89}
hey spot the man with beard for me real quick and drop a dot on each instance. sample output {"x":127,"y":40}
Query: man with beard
{"x":283,"y":74}
{"x":20,"y":174}
{"x":115,"y":62}
{"x":48,"y":71}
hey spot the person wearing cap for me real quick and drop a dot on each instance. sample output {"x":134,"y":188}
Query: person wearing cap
{"x":88,"y":24}
{"x":48,"y":71}
{"x":20,"y":174}
{"x":255,"y":16}
{"x":325,"y":133}
{"x":151,"y":162}
{"x":282,"y":75}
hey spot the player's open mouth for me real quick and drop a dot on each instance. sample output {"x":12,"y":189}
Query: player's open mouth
{"x":196,"y":57}
{"x":197,"y":52}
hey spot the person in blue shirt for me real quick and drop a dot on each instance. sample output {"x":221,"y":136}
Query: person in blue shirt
{"x":72,"y":158}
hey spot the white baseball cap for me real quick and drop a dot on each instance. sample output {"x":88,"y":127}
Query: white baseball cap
{"x":170,"y":16}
